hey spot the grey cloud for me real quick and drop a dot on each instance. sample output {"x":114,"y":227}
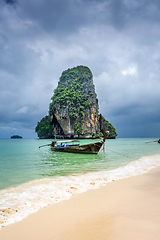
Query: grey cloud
{"x":51,"y":16}
{"x":10,"y":1}
{"x":118,"y":40}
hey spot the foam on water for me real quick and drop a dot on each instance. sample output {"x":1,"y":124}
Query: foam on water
{"x":17,"y":203}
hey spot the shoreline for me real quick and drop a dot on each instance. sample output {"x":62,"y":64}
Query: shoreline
{"x":125,"y":209}
{"x":20,"y":202}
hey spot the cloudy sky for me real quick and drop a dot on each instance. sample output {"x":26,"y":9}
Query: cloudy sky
{"x":119,"y":40}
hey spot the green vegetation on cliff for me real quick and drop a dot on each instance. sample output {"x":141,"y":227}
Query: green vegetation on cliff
{"x":110,"y":128}
{"x":44,"y":129}
{"x":75,"y":92}
{"x":74,"y":106}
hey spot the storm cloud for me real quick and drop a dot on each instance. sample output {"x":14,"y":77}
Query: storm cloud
{"x":118,"y":40}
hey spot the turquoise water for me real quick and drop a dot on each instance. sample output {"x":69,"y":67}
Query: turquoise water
{"x":21,"y":160}
{"x":32,"y":178}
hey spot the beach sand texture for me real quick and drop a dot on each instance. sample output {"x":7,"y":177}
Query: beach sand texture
{"x":125,"y":209}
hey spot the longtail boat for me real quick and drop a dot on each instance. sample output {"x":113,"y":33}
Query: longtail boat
{"x":73,"y":146}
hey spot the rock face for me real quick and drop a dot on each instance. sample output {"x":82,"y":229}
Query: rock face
{"x":74,"y":107}
{"x":106,"y":126}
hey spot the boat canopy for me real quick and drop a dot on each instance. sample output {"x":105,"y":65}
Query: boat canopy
{"x":67,"y":141}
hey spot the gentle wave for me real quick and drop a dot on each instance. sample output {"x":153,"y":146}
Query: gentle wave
{"x":17,"y":203}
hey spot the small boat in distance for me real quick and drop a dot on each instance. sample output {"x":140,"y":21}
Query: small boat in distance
{"x":73,"y":146}
{"x":154,"y":141}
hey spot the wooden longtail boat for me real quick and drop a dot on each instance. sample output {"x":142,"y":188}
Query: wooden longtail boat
{"x":71,"y":146}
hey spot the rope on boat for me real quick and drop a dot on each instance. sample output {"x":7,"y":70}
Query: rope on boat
{"x":45,"y":145}
{"x":103,"y":146}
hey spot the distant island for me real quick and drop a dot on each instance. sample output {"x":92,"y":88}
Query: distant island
{"x":74,"y":110}
{"x":16,"y":136}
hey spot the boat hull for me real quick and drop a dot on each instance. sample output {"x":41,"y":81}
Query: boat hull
{"x":92,"y":148}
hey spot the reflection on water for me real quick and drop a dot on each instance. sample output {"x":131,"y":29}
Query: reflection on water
{"x":64,"y":164}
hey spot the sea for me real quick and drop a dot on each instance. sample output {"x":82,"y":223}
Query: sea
{"x":32,"y":178}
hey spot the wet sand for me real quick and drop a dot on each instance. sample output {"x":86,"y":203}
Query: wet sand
{"x":126,"y":209}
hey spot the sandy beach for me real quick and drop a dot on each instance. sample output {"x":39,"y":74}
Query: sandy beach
{"x":124,"y":209}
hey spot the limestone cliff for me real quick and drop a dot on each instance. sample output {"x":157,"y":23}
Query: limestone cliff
{"x":73,"y":112}
{"x":74,"y":106}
